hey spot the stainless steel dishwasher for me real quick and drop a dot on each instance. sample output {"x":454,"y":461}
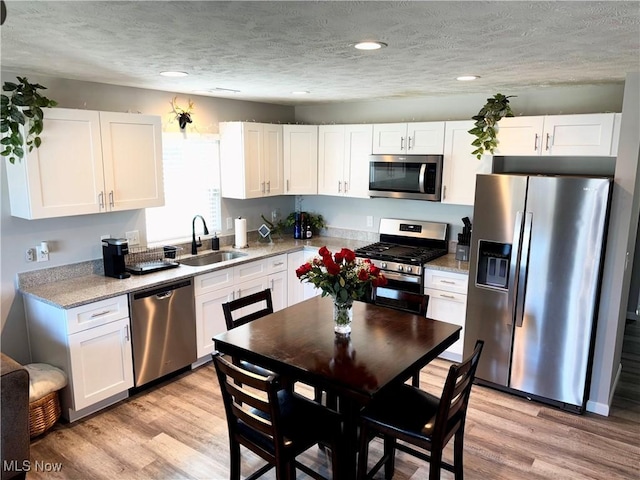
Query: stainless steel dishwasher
{"x":163,"y":330}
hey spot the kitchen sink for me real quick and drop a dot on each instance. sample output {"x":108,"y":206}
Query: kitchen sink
{"x":209,"y":258}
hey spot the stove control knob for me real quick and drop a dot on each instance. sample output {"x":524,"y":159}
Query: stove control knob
{"x":409,"y":269}
{"x":400,"y":268}
{"x":383,"y":265}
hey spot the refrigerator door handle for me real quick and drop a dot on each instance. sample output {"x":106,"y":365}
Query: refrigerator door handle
{"x":524,"y":268}
{"x":513,"y":268}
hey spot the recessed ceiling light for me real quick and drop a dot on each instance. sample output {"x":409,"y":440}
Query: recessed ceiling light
{"x":301,"y":92}
{"x":174,"y":74}
{"x":467,"y":78}
{"x":369,"y":45}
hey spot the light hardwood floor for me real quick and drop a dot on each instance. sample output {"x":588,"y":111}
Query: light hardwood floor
{"x":178,"y":431}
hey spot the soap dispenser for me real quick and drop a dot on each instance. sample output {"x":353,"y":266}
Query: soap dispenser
{"x":215,"y":242}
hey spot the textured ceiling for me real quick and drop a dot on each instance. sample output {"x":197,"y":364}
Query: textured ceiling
{"x":266,"y":50}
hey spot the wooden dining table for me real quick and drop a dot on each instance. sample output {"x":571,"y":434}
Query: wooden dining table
{"x":385,"y":346}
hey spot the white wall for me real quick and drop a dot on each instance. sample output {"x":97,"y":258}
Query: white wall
{"x":76,"y":239}
{"x":543,"y":101}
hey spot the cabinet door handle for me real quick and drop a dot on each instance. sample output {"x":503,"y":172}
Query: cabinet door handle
{"x":287,"y":185}
{"x":339,"y":186}
{"x":272,"y":284}
{"x":111,"y":198}
{"x":126,"y":332}
{"x":346,"y":186}
{"x":269,"y":186}
{"x":546,"y":145}
{"x":262,"y":187}
{"x":409,"y":143}
{"x":444,"y":192}
{"x":535,"y":143}
{"x":101,"y":199}
{"x":401,"y":143}
{"x":239,"y":295}
{"x":94,"y":315}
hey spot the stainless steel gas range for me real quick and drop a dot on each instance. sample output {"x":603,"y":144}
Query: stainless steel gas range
{"x":404,"y":247}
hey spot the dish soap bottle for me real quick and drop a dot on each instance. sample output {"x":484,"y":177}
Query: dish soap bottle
{"x":308,"y":233}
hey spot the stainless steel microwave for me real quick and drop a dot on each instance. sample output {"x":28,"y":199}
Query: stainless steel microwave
{"x":417,"y":177}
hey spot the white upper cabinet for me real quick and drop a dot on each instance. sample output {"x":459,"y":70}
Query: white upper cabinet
{"x":343,"y":160}
{"x":420,"y":138}
{"x":560,"y":135}
{"x":300,"y":159}
{"x":251,"y":159}
{"x":460,"y":167}
{"x":89,"y":162}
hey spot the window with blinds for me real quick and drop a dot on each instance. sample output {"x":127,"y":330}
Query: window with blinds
{"x":191,"y":187}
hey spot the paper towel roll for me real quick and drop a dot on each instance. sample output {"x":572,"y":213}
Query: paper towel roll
{"x":241,"y":233}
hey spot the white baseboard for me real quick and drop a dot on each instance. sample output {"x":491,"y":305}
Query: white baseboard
{"x":604,"y":408}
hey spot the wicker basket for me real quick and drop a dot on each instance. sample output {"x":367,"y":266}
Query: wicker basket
{"x":44,"y":413}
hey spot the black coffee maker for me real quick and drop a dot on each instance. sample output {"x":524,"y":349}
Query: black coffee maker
{"x":113,"y":252}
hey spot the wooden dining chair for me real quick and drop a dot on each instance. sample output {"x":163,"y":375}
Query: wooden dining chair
{"x":274,"y":423}
{"x":419,"y":419}
{"x":411,"y":302}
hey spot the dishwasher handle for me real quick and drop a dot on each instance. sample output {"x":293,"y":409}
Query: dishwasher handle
{"x":163,"y":292}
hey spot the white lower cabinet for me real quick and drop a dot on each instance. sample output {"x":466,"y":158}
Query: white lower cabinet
{"x":448,"y":302}
{"x":91,"y":344}
{"x":298,"y":291}
{"x":215,"y":288}
{"x":94,"y":377}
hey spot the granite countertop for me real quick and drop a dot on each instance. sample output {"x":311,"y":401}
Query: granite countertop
{"x":449,"y":263}
{"x":75,"y":285}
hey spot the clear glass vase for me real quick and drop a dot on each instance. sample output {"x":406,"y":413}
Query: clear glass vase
{"x":342,"y":316}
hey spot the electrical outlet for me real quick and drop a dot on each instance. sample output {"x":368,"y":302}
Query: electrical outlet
{"x":229,"y":223}
{"x":30,"y":255}
{"x":133,"y":237}
{"x":369,"y":221}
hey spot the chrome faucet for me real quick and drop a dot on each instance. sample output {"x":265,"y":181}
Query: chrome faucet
{"x":194,"y":245}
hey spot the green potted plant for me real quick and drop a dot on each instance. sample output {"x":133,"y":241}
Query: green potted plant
{"x":22,"y":102}
{"x":493,"y":111}
{"x":316,"y":220}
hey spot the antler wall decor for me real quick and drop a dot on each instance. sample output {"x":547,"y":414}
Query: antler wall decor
{"x":183,"y":116}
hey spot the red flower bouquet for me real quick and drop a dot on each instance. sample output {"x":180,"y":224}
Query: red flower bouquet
{"x":341,"y":275}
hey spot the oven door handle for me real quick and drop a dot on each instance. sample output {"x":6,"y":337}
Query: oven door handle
{"x":423,"y":169}
{"x":402,"y":278}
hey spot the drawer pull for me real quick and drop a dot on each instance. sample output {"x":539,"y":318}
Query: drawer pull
{"x":448,"y":282}
{"x":277,"y":264}
{"x":94,"y":315}
{"x":447,"y":296}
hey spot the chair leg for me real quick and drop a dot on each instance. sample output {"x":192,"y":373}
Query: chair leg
{"x":390,"y":450}
{"x":363,"y":454}
{"x":234,"y":468}
{"x":416,"y":379}
{"x":458,"y":450}
{"x":435,"y":465}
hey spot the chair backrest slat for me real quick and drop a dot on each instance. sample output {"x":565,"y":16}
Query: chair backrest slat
{"x":230,"y":307}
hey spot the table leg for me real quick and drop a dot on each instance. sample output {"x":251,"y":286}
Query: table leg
{"x":347,"y":456}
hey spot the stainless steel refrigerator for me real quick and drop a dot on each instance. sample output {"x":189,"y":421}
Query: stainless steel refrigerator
{"x":537,"y":249}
